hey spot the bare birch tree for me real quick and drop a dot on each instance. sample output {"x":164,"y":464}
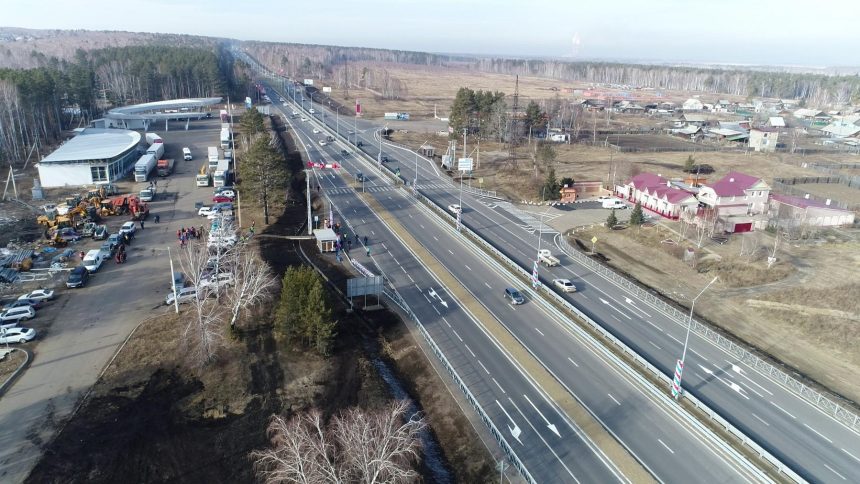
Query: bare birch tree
{"x":203,"y":334}
{"x":373,"y":447}
{"x":253,"y":283}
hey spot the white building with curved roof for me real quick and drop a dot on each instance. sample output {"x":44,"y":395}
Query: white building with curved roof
{"x":142,"y":116}
{"x":93,"y":156}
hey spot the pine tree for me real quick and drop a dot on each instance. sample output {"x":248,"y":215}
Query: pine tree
{"x":612,"y":220}
{"x":689,"y":164}
{"x":636,"y":216}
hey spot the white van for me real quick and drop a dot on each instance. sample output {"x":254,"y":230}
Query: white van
{"x":93,"y":260}
{"x":186,"y":154}
{"x":614,"y":203}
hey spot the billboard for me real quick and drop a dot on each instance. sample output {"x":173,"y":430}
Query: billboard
{"x":326,"y":89}
{"x":309,"y":82}
{"x":464,"y":164}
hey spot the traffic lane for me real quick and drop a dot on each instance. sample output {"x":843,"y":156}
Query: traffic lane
{"x":642,"y":339}
{"x":531,"y":325}
{"x":506,"y":378}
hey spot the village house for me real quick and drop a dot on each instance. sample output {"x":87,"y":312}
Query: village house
{"x":658,"y":195}
{"x":776,"y":122}
{"x":764,"y":139}
{"x":789,"y":212}
{"x":692,"y":105}
{"x":735,"y":202}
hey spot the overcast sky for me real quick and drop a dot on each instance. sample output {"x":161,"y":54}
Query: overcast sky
{"x":783,"y":32}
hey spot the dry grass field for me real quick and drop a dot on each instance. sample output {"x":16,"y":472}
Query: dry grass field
{"x":836,"y":191}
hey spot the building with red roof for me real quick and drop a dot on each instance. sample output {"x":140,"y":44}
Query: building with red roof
{"x":789,"y":212}
{"x":658,"y":195}
{"x":738,"y":201}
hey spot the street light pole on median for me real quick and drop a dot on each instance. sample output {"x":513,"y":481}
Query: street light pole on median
{"x":676,"y":385}
{"x":173,"y":282}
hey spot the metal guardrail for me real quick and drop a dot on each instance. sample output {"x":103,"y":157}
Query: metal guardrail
{"x":760,"y":451}
{"x":391,"y":293}
{"x":812,"y":396}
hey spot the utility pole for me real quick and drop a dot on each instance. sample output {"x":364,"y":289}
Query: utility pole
{"x":677,"y":389}
{"x":173,"y":283}
{"x":308,"y":192}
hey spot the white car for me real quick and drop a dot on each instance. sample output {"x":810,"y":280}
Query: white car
{"x":224,"y":242}
{"x":217,"y":280}
{"x":564,"y":284}
{"x":323,"y":142}
{"x":226,"y":193}
{"x":183,"y":295}
{"x":316,"y":131}
{"x":295,"y":113}
{"x":224,"y":215}
{"x":311,"y":110}
{"x":16,"y":335}
{"x":39,"y":295}
{"x":304,"y":119}
{"x":204,"y":211}
{"x":12,"y":316}
{"x":455,"y":208}
{"x":128,"y":228}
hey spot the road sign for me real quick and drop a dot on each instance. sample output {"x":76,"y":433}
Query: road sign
{"x":594,"y":240}
{"x":326,"y":89}
{"x":481,"y":180}
{"x":464,"y":164}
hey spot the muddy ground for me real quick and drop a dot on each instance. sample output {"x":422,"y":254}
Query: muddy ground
{"x":151,"y":419}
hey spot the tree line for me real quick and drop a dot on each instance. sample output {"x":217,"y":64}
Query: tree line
{"x":37,"y":104}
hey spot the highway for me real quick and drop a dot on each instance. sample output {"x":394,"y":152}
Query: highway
{"x":811,"y":443}
{"x":673,"y":450}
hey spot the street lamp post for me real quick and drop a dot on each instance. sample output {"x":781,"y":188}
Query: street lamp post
{"x":679,"y":368}
{"x":415,"y":181}
{"x":337,"y":122}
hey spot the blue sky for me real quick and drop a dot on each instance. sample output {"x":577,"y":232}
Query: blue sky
{"x":793,"y":32}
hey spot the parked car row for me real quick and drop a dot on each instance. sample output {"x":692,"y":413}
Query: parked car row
{"x":21,"y":309}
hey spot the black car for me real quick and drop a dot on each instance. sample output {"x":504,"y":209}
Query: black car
{"x":78,"y":277}
{"x":36,"y":304}
{"x":344,"y":153}
{"x":385,"y":158}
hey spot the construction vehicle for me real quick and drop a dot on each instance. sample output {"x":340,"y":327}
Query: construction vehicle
{"x":89,"y":229}
{"x":203,"y":179}
{"x":138,"y":210}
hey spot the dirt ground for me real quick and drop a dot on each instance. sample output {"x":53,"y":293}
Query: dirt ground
{"x":837,"y":191}
{"x":802,"y":311}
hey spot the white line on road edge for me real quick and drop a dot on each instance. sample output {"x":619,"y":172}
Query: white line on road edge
{"x":539,"y":332}
{"x":470,"y":350}
{"x":666,"y":446}
{"x":574,"y":363}
{"x":613,"y":399}
{"x":818,"y":433}
{"x":500,"y":387}
{"x":484,"y":367}
{"x":783,"y":410}
{"x":833,"y":471}
{"x":760,"y":419}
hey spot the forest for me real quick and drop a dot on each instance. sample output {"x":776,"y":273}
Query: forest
{"x":363,"y":67}
{"x":37,"y":104}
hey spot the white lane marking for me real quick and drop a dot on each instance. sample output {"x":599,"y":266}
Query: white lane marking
{"x":613,"y":399}
{"x":674,"y":338}
{"x":372,"y":233}
{"x":583,"y":295}
{"x":484,"y":367}
{"x":759,"y":419}
{"x":427,"y":298}
{"x":450,"y":251}
{"x":574,"y":363}
{"x":488,"y":285}
{"x":354,"y":211}
{"x":363,"y":221}
{"x":852,"y":455}
{"x":500,"y":387}
{"x":615,"y":317}
{"x":435,"y":238}
{"x":818,"y":433}
{"x":658,"y":328}
{"x":654,"y":345}
{"x":457,"y":335}
{"x":383,"y":246}
{"x":422,"y":227}
{"x":416,"y":287}
{"x":437,"y":311}
{"x":410,"y":277}
{"x":699,"y":355}
{"x":666,"y":446}
{"x":740,"y":371}
{"x":834,"y":471}
{"x":410,"y":215}
{"x":468,"y":268}
{"x":470,"y":350}
{"x":783,"y":410}
{"x":539,"y":332}
{"x":446,"y":321}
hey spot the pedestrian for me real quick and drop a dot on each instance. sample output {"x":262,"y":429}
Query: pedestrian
{"x":157,"y":218}
{"x":126,"y":239}
{"x":348,"y":245}
{"x":365,"y":240}
{"x":201,"y":230}
{"x":82,"y":254}
{"x":368,"y":251}
{"x":141,"y":224}
{"x":178,"y":234}
{"x":155,"y":183}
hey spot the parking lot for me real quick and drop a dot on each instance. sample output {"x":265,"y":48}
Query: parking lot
{"x":82,"y":328}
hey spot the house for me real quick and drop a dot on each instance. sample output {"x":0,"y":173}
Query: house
{"x":658,"y":195}
{"x":841,"y":129}
{"x":723,"y":106}
{"x":789,"y":212}
{"x":725,"y":134}
{"x":776,"y":122}
{"x":764,"y":139}
{"x":694,"y":119}
{"x":692,"y":105}
{"x":690,"y":132}
{"x":736,"y":200}
{"x":805,"y":113}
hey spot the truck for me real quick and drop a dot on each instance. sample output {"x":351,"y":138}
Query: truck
{"x":213,"y":155}
{"x":222,"y":174}
{"x":164,"y":167}
{"x":397,"y":116}
{"x":225,"y":117}
{"x":144,"y":166}
{"x":228,"y":155}
{"x":226,"y":139}
{"x":152,"y":138}
{"x":546,"y":258}
{"x":186,"y":154}
{"x":157,"y":150}
{"x":203,"y":179}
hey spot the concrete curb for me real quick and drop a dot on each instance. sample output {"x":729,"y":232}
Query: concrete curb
{"x":14,"y":376}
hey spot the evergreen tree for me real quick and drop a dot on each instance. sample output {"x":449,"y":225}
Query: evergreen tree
{"x":636,"y":216}
{"x":612,"y":220}
{"x":689,"y":164}
{"x":550,"y":190}
{"x":264,"y":173}
{"x":567,"y":182}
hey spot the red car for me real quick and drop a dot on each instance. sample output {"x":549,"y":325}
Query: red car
{"x":221,"y":199}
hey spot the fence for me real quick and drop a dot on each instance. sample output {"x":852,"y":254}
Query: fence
{"x":786,"y":186}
